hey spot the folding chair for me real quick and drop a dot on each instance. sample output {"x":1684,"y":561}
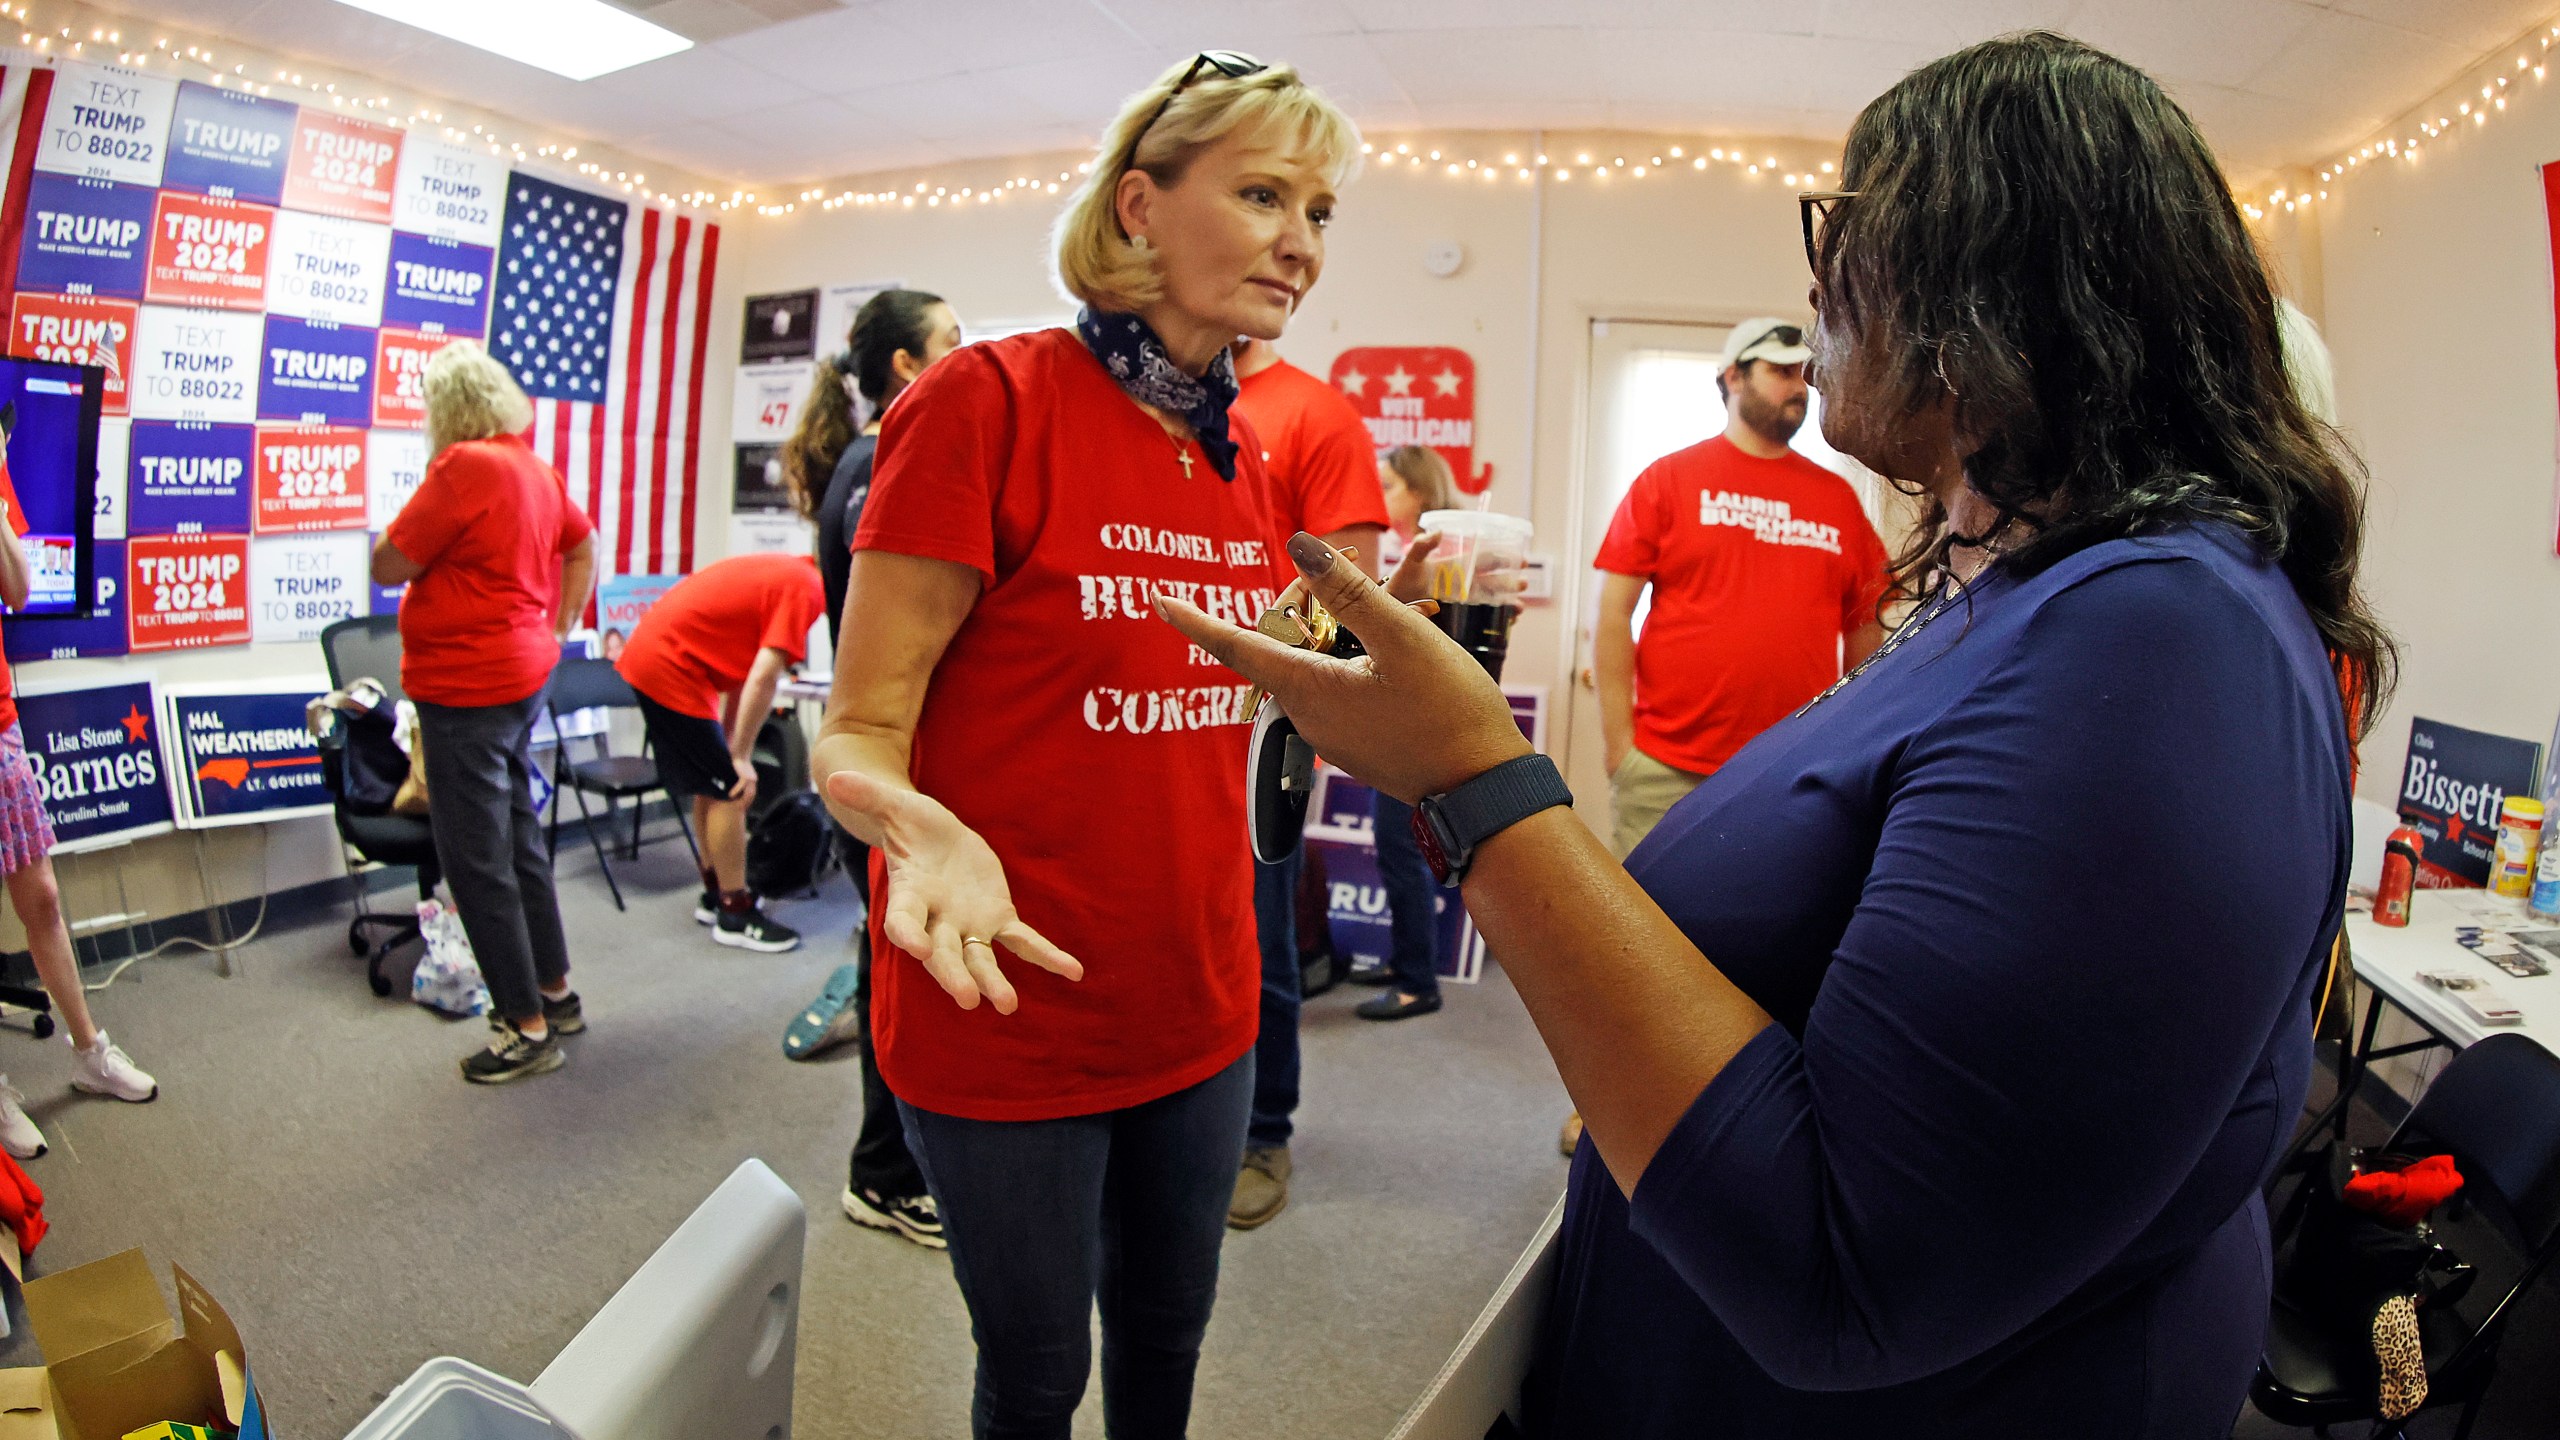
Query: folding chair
{"x":590,"y":685}
{"x":2495,"y":1108}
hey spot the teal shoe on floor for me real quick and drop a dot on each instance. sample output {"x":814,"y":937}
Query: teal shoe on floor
{"x":828,"y":1021}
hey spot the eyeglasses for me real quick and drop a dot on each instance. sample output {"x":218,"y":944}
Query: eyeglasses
{"x":1815,"y":206}
{"x":1225,"y":62}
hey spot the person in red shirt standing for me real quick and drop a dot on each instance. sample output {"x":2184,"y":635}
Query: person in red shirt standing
{"x":1053,"y":779}
{"x":705,"y":661}
{"x":1765,"y":576}
{"x":1324,"y":480}
{"x":26,"y":860}
{"x":498,"y":563}
{"x":1767,"y":581}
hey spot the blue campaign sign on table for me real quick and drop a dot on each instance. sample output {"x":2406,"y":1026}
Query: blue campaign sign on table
{"x":316,"y":372}
{"x":437,"y":285}
{"x":95,"y":759}
{"x":190,"y":475}
{"x":240,"y":754}
{"x":222,"y":142}
{"x":101,"y":632}
{"x":85,"y":237}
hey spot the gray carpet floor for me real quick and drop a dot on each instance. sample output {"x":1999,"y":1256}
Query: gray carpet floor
{"x":317,"y":1161}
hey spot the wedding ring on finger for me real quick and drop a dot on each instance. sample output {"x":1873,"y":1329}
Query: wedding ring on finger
{"x":968,"y":940}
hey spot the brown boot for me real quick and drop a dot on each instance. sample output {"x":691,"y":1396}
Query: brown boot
{"x":1262,"y":1187}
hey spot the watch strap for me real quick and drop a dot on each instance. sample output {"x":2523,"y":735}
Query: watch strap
{"x":1492,"y":803}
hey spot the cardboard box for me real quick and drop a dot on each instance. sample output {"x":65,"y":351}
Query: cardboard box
{"x":117,"y":1362}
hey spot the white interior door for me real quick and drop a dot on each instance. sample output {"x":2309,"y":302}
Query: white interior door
{"x":1653,"y":391}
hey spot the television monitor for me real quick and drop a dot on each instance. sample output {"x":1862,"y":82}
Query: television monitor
{"x":49,"y":412}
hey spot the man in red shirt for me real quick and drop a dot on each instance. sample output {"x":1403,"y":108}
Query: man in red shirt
{"x":705,"y":661}
{"x":1324,"y":480}
{"x":1765,"y":576}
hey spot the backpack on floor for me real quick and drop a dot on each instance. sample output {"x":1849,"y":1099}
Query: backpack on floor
{"x":792,"y":847}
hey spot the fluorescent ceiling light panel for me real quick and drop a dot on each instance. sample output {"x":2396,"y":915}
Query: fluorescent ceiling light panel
{"x":581,"y":39}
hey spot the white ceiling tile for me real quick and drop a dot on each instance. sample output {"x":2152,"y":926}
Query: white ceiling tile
{"x":994,"y":110}
{"x":2357,"y":69}
{"x":843,"y":50}
{"x":1460,"y":14}
{"x":1948,"y":25}
{"x":1680,"y":67}
{"x":1726,"y":15}
{"x":973,"y":35}
{"x":1474,"y":67}
{"x":2474,"y":25}
{"x":2217,"y":42}
{"x":715,"y":85}
{"x":2250,"y":133}
{"x":1265,"y":28}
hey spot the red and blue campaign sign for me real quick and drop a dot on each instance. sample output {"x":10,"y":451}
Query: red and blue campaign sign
{"x":101,"y":632}
{"x":438,"y":285}
{"x":224,"y":143}
{"x":188,"y":591}
{"x":240,"y":753}
{"x":84,"y":236}
{"x":317,"y":373}
{"x":209,"y":252}
{"x":189,"y":475}
{"x":97,"y":762}
{"x":2456,"y":783}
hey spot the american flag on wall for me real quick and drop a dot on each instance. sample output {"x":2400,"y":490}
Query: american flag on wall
{"x":602,"y":310}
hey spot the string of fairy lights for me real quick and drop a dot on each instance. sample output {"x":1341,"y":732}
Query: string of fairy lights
{"x":2456,"y":111}
{"x":2497,"y":82}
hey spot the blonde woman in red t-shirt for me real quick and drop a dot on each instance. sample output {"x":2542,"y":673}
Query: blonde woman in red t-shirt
{"x":498,"y":561}
{"x":1053,"y":780}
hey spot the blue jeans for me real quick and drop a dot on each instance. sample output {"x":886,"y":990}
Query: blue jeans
{"x":1275,"y":1049}
{"x":1045,"y":1217}
{"x":1412,"y":897}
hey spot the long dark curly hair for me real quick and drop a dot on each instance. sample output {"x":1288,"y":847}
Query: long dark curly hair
{"x":2040,"y":236}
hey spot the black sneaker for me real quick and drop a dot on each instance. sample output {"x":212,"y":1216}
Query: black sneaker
{"x":1368,"y":970}
{"x":565,"y":1015}
{"x":512,"y":1056}
{"x":706,"y":910}
{"x":754,"y":930}
{"x":913,"y":1216}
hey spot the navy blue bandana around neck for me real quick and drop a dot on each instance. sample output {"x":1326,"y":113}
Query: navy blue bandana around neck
{"x":1128,"y":348}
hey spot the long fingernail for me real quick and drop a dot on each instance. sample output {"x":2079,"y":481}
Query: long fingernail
{"x":1312,"y":556}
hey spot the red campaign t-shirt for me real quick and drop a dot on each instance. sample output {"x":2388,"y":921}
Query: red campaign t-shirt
{"x":1324,"y":468}
{"x":1099,"y":754}
{"x":698,"y":642}
{"x":490,"y":523}
{"x":16,"y":516}
{"x":1758,"y":568}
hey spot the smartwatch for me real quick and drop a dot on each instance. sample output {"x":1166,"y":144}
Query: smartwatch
{"x":1450,"y":827}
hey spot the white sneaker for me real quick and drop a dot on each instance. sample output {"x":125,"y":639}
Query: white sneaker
{"x":18,"y":1133}
{"x":106,"y":1070}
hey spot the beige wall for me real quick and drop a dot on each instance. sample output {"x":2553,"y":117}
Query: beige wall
{"x":1721,"y":245}
{"x":2437,"y":301}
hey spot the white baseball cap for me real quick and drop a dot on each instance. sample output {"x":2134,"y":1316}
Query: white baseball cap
{"x":1780,"y":342}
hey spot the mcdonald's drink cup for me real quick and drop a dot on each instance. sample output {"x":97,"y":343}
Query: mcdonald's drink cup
{"x":1476,"y":574}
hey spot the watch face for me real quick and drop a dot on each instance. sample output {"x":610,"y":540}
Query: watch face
{"x":1428,"y":838}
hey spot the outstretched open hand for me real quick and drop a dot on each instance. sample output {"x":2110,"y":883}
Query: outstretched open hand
{"x":947,"y":902}
{"x":1415,"y":716}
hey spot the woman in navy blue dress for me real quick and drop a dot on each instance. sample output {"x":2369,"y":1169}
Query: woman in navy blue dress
{"x":1933,"y":1052}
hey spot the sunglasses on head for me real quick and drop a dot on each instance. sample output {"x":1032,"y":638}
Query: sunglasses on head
{"x":1225,"y":62}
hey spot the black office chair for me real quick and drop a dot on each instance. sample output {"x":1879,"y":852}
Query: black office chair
{"x":2495,"y":1108}
{"x":593,"y":685}
{"x":368,"y":646}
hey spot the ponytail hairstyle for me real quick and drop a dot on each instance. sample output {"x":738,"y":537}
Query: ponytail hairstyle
{"x":888,"y":322}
